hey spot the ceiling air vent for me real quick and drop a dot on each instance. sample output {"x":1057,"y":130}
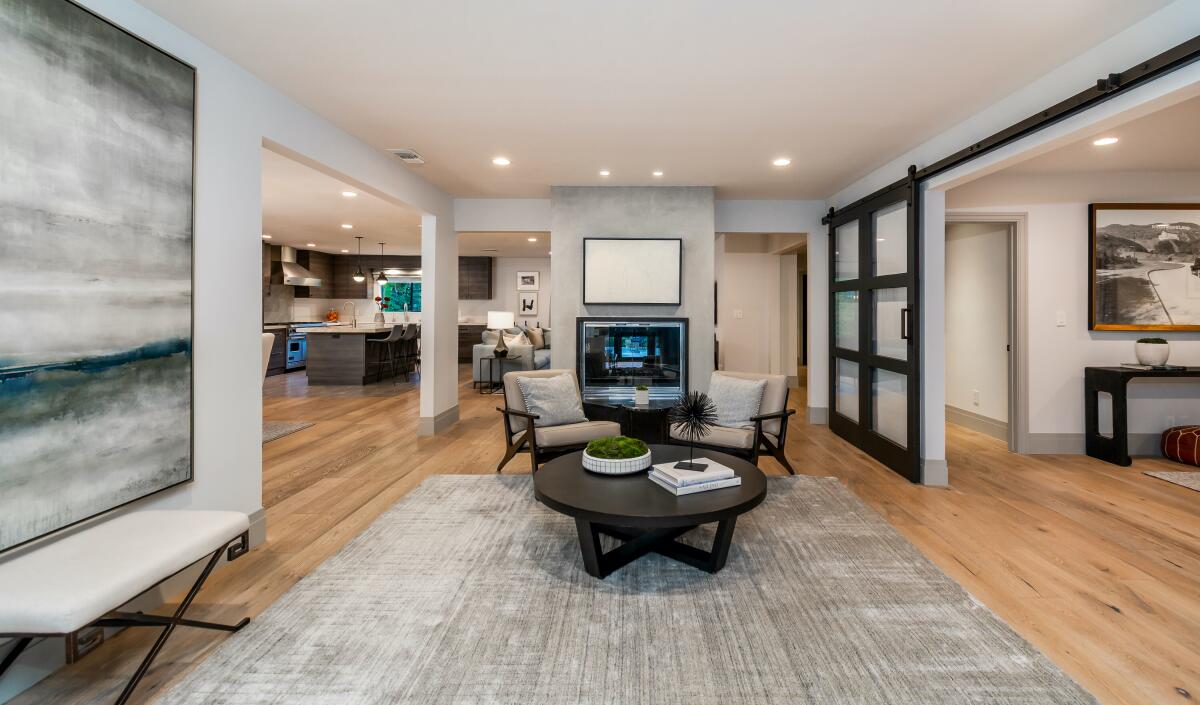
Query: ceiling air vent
{"x":406,"y":155}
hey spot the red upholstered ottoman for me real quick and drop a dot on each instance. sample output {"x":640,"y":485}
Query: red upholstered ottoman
{"x":1182,"y":444}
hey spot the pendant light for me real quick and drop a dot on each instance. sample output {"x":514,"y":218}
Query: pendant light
{"x":381,"y":278}
{"x":359,"y":277}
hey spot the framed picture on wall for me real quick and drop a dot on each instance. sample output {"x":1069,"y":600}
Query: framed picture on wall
{"x":527,"y":304}
{"x":1145,"y":266}
{"x":529,"y":281}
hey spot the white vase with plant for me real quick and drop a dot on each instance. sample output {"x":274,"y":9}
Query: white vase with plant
{"x":1152,"y":351}
{"x":641,"y":395}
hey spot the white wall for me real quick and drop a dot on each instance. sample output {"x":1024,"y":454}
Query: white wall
{"x":504,"y":291}
{"x":756,"y":307}
{"x":977,"y":318}
{"x":1057,"y":272}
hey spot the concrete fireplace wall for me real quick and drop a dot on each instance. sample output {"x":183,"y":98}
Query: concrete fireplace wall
{"x":588,"y":211}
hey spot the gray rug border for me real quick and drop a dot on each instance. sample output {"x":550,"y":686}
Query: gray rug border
{"x":1166,"y":476}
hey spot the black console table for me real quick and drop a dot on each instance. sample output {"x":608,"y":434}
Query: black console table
{"x":1114,"y":380}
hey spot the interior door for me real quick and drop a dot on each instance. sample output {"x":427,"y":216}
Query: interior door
{"x":874,"y":331}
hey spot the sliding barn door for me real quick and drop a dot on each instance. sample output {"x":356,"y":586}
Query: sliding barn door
{"x":874,"y":328}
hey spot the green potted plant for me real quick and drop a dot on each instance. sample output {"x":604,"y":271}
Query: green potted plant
{"x":1152,"y":351}
{"x":616,"y":455}
{"x":641,"y":395}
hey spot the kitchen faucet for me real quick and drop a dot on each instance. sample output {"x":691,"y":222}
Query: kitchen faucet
{"x":353,"y":312}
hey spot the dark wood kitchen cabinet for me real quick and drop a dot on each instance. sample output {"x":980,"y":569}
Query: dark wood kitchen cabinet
{"x":321,"y":265}
{"x":468,"y":336}
{"x":475,"y":278}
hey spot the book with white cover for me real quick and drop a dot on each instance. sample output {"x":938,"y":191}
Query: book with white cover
{"x":683,"y":478}
{"x":694,"y":488}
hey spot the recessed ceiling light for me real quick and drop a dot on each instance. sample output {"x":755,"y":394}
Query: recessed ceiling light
{"x":1105,"y":141}
{"x":312,"y":244}
{"x":532,"y":239}
{"x":347,"y":226}
{"x":350,"y":194}
{"x":605,"y":172}
{"x":345,"y":251}
{"x":266,"y":236}
{"x":657,"y":173}
{"x":782,"y":161}
{"x":501,"y":161}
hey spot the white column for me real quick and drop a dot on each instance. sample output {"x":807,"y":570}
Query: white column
{"x":933,"y":338}
{"x":818,"y":325}
{"x":439,"y":325}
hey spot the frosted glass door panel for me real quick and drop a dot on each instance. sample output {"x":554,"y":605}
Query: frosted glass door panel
{"x":845,"y":311}
{"x":846,"y":402}
{"x":845,"y":253}
{"x":889,"y":307}
{"x":891,"y":239}
{"x":889,"y":394}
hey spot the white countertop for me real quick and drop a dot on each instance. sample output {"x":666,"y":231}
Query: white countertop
{"x":351,"y":330}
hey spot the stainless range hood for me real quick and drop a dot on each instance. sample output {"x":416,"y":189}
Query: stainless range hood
{"x":286,"y":270}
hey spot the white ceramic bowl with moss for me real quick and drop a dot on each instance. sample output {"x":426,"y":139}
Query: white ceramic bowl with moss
{"x":616,"y":466}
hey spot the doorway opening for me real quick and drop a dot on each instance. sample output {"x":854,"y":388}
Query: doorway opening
{"x":981,"y":330}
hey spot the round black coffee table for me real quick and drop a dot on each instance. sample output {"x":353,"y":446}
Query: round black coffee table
{"x":645,"y":516}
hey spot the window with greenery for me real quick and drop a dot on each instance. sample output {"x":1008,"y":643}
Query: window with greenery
{"x":400,"y":294}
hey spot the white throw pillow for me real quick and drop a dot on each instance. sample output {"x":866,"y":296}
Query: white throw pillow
{"x":554,"y":400}
{"x":518,"y":339}
{"x":736,"y":399}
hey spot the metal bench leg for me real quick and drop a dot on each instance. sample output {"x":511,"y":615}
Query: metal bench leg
{"x":11,"y":657}
{"x":172,"y":622}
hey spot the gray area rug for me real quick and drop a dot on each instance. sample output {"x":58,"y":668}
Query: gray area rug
{"x":468,"y":591}
{"x":274,"y":430}
{"x":1190,"y":480}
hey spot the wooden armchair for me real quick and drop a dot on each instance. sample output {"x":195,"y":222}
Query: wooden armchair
{"x":523,"y":435}
{"x":770,"y":426}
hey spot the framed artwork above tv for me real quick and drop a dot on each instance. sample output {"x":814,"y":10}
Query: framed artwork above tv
{"x":643,"y":270}
{"x":1144,"y":271}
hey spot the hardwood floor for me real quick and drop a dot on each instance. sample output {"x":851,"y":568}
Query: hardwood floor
{"x":1096,"y":565}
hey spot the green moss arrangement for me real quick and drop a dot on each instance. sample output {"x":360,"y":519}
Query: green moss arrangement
{"x":1152,"y":341}
{"x":642,"y":388}
{"x":616,"y":448}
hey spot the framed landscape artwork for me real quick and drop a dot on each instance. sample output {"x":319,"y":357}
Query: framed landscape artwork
{"x":529,"y":281}
{"x":95,"y":268}
{"x":1145,"y":266}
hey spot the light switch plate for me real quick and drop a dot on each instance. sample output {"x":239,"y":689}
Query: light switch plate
{"x":1060,"y":319}
{"x":737,"y":313}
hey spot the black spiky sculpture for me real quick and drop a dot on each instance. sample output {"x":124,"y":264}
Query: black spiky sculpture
{"x":693,"y":417}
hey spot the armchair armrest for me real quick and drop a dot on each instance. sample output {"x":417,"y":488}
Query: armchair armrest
{"x":774,"y":415}
{"x":514,"y":412}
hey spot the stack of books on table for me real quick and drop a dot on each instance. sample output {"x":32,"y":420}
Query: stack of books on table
{"x":680,"y":482}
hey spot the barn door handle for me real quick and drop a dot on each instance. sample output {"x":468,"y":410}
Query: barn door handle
{"x":904,"y":313}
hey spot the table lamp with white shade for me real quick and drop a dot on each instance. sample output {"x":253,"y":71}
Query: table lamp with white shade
{"x":500,"y":321}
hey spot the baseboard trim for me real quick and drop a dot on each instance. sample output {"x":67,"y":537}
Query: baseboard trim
{"x":433,"y":425}
{"x":47,"y":655}
{"x":977,"y":422}
{"x":1073,"y":444}
{"x":935,"y":472}
{"x":818,"y":415}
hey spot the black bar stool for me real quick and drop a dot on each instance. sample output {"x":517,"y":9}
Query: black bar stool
{"x":387,"y":350}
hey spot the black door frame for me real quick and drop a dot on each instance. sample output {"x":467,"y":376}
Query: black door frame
{"x":1105,"y":88}
{"x":904,"y":460}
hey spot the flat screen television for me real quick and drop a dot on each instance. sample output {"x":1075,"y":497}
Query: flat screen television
{"x":644,"y":270}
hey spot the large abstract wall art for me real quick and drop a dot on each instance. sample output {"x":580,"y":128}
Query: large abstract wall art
{"x":96,"y":155}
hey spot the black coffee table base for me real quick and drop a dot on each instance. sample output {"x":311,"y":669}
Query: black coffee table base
{"x":640,"y":542}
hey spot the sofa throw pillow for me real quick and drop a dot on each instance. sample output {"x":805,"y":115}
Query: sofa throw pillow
{"x":736,"y":399}
{"x":555,"y":399}
{"x":535,"y":338}
{"x":491,"y":336}
{"x":518,"y":339}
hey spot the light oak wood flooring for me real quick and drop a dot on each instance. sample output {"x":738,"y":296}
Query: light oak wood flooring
{"x":1098,"y":566}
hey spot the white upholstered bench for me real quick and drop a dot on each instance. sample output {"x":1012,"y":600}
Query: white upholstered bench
{"x":81,"y":579}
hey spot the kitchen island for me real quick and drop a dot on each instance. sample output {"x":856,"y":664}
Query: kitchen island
{"x":341,"y":354}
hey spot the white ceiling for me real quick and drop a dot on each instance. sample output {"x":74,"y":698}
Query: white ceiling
{"x":710,"y":91}
{"x":302,"y":205}
{"x":1156,"y":158}
{"x":1167,"y":140}
{"x":504,"y":244}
